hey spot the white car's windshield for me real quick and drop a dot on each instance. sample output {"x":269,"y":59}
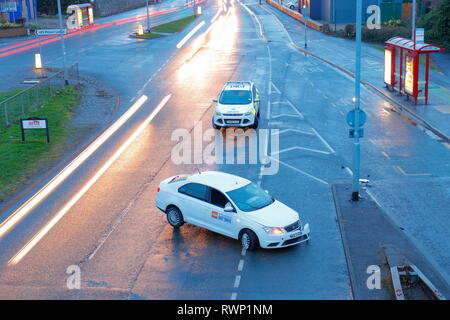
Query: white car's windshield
{"x":236,"y":97}
{"x":250,"y":197}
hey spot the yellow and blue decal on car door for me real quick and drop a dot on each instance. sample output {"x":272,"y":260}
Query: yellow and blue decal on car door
{"x":221,"y":217}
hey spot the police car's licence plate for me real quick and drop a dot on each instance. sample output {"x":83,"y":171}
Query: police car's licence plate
{"x":295,"y":235}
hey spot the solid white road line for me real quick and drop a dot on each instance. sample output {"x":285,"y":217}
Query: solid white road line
{"x":323,"y":141}
{"x":190,"y":34}
{"x":20,"y":213}
{"x":35,"y":240}
{"x":217,"y":15}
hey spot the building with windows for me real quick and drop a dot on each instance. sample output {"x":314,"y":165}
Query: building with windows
{"x":11,"y":10}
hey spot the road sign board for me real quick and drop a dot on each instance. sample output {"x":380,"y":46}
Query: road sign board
{"x":50,"y":32}
{"x":34,"y":123}
{"x":351,"y":117}
{"x":420,"y":35}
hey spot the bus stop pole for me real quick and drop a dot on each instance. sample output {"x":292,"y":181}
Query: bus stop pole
{"x":356,"y":145}
{"x":413,"y":23}
{"x":63,"y":44}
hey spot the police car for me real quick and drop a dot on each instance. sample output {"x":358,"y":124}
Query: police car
{"x":232,"y":206}
{"x":237,"y":106}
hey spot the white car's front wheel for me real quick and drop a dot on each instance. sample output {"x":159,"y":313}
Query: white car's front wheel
{"x":249,"y":240}
{"x":174,"y":217}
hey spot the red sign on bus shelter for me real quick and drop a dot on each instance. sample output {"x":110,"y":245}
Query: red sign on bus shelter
{"x":406,"y":80}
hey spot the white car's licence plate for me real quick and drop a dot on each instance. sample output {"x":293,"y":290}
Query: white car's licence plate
{"x":232,"y":121}
{"x":295,"y":235}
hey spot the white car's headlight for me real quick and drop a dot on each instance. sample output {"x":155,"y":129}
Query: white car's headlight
{"x":273,"y":230}
{"x":250,"y":112}
{"x":218,"y":113}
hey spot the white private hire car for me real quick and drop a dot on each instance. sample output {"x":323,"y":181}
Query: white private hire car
{"x":237,"y":106}
{"x":232,"y":206}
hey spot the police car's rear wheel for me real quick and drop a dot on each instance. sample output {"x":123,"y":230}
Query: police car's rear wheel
{"x":174,"y":217}
{"x":249,"y":240}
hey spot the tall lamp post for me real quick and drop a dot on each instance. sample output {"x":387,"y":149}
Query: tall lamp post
{"x":148,"y":18}
{"x":413,"y":23}
{"x":356,"y":145}
{"x":305,"y":17}
{"x":63,"y":44}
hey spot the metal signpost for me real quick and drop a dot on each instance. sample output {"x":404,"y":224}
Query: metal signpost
{"x":34,"y":124}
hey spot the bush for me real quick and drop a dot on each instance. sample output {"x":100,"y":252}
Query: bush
{"x":395,"y":23}
{"x":49,"y":7}
{"x":437,"y":25}
{"x":9,"y":25}
{"x":384,"y":34}
{"x":20,"y":21}
{"x":350,"y":30}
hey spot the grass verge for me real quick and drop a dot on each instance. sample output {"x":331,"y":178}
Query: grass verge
{"x":174,"y":26}
{"x":19,"y":161}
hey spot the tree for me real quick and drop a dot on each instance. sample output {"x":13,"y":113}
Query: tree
{"x":50,"y":7}
{"x":437,"y":25}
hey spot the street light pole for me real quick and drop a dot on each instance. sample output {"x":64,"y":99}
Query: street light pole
{"x":148,"y":18}
{"x":305,"y":17}
{"x":413,"y":23}
{"x":63,"y":44}
{"x":357,"y":150}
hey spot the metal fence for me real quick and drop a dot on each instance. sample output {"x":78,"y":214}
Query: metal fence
{"x":13,"y":108}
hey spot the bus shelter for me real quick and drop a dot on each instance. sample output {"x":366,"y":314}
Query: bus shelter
{"x":402,"y":67}
{"x":80,"y":15}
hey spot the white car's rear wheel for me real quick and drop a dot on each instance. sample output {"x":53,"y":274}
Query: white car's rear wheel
{"x":249,"y":240}
{"x":174,"y":217}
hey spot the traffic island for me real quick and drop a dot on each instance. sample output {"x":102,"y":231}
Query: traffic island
{"x":372,"y":241}
{"x":165,"y":29}
{"x":147,"y":35}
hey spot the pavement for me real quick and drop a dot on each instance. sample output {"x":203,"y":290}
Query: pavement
{"x":102,"y":218}
{"x":371,"y":238}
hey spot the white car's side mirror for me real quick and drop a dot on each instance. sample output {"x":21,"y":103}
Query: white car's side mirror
{"x":215,"y":100}
{"x":228,"y":208}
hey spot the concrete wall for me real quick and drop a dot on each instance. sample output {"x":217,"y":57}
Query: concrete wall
{"x":108,"y":7}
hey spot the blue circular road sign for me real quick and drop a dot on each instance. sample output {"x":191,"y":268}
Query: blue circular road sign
{"x":351,"y":117}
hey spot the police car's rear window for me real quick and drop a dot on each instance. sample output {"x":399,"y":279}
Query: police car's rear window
{"x":235,"y":97}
